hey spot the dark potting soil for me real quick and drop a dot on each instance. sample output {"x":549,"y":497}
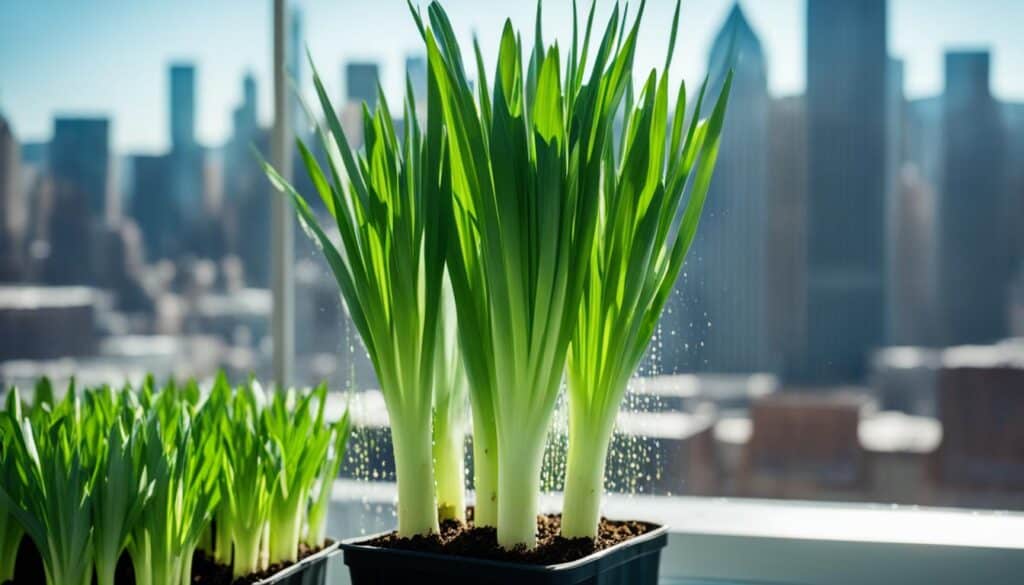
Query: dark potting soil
{"x":207,"y":572}
{"x":29,"y":568}
{"x":482,"y":543}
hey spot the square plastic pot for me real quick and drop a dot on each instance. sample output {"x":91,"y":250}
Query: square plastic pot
{"x":311,"y":570}
{"x":634,"y":562}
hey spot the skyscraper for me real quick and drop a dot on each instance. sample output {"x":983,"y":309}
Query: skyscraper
{"x":246,"y":190}
{"x":1013,"y":115}
{"x":79,"y":161}
{"x":183,"y":106}
{"x":361,"y":79}
{"x":151,"y":205}
{"x":186,"y":157}
{"x":12,"y":205}
{"x":724,"y":323}
{"x":416,"y":72}
{"x":846,"y":101}
{"x":974,"y":243}
{"x":786,"y":247}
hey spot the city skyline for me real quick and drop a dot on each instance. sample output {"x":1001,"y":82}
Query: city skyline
{"x":37,"y":84}
{"x":838,"y":192}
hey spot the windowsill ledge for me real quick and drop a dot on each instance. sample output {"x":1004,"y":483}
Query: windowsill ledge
{"x":774,"y":541}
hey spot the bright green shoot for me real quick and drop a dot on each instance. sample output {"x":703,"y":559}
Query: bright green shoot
{"x":122,"y":488}
{"x":526,"y":165}
{"x":49,"y":494}
{"x":184,"y":467}
{"x":389,"y":267}
{"x":299,"y":440}
{"x":450,"y":410}
{"x":247,"y":481}
{"x":316,"y":523}
{"x":10,"y":529}
{"x":98,"y":473}
{"x":635,"y":262}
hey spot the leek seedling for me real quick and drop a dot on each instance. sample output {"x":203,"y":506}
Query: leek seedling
{"x":449,"y":416}
{"x":299,"y":443}
{"x":10,"y":530}
{"x":247,"y":481}
{"x":100,"y":472}
{"x":316,"y":524}
{"x":633,"y":268}
{"x":121,"y":490}
{"x":526,"y":166}
{"x":389,"y":268}
{"x":184,"y":467}
{"x":49,"y":493}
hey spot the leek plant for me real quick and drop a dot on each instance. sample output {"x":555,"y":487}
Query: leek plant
{"x":100,"y":473}
{"x":184,"y":467}
{"x":299,"y":441}
{"x":633,"y":267}
{"x":389,"y":267}
{"x":49,"y":494}
{"x":450,"y":408}
{"x":119,"y":494}
{"x":10,"y":530}
{"x":527,"y":160}
{"x":247,"y":482}
{"x":316,"y":520}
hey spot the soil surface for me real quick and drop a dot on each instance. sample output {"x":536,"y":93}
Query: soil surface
{"x":206,"y":572}
{"x":482,"y":543}
{"x":29,"y":569}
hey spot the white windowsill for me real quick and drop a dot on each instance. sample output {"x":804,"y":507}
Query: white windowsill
{"x":748,"y":541}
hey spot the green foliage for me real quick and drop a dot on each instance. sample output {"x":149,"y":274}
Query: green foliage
{"x":638,"y":253}
{"x":387,"y":202}
{"x":527,"y":163}
{"x":102,"y":472}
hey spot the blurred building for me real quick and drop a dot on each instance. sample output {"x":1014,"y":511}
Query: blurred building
{"x":846,"y":105}
{"x":361,"y":79}
{"x":29,"y":314}
{"x":786,"y":245}
{"x":724,"y":324}
{"x":152,"y":206}
{"x":12,"y":205}
{"x":913,"y":297}
{"x":416,"y":73}
{"x":79,"y":160}
{"x":903,"y":379}
{"x":79,"y":168}
{"x":1013,"y":116}
{"x":246,"y":190}
{"x":183,"y":106}
{"x":924,"y":138}
{"x":910,"y":217}
{"x":186,"y":156}
{"x":974,"y":269}
{"x":980,"y":462}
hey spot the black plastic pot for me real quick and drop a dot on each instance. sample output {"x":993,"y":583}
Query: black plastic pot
{"x":311,"y":570}
{"x":634,"y":562}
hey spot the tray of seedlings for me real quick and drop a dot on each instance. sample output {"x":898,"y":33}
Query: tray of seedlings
{"x":512,"y":238}
{"x":167,"y":485}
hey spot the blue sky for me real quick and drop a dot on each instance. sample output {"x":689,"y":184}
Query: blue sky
{"x":110,"y":57}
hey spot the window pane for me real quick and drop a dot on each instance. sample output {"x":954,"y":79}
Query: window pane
{"x":848,"y":322}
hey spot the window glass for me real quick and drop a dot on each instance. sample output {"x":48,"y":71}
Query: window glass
{"x":848,"y":324}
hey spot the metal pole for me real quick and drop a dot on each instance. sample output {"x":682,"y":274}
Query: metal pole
{"x":282,"y":230}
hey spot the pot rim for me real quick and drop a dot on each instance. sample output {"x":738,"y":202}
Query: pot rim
{"x":358,"y":544}
{"x":321,"y":555}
